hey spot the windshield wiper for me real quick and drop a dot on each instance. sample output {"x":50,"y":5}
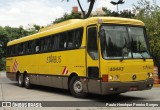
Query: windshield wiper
{"x":122,"y":58}
{"x":142,"y":56}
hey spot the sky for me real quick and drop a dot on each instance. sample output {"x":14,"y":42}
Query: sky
{"x":17,"y":13}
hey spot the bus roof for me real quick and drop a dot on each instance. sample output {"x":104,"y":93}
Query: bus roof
{"x":76,"y":23}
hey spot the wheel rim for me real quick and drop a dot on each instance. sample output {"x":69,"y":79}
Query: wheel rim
{"x":20,"y":81}
{"x":27,"y":80}
{"x":77,"y":86}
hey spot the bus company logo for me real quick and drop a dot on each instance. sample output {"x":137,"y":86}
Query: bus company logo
{"x":15,"y":66}
{"x":6,"y":104}
{"x":65,"y":70}
{"x":134,"y":77}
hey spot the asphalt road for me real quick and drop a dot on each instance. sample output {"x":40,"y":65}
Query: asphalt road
{"x":9,"y":91}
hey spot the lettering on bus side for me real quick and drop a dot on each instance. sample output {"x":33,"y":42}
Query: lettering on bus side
{"x":116,"y":69}
{"x":147,"y":67}
{"x":54,"y":59}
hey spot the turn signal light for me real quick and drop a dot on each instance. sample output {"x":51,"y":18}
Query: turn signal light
{"x":104,"y":78}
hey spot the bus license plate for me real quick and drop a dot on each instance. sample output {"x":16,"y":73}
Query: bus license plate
{"x":133,"y":88}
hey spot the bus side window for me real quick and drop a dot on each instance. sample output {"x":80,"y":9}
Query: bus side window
{"x":37,"y":45}
{"x":28,"y":47}
{"x":16,"y":49}
{"x":52,"y":41}
{"x":56,"y":42}
{"x":24,"y":47}
{"x":20,"y":49}
{"x":12,"y":50}
{"x":33,"y":50}
{"x":74,"y":39}
{"x":49,"y":43}
{"x":70,"y":40}
{"x":92,"y":46}
{"x":63,"y":39}
{"x":78,"y":37}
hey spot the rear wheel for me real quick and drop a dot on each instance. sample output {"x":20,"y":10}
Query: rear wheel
{"x":20,"y":80}
{"x":76,"y":87}
{"x":27,"y":81}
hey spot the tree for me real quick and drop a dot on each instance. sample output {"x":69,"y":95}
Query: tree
{"x":86,"y":15}
{"x":117,"y":3}
{"x":7,"y":34}
{"x":124,"y":13}
{"x":67,"y":17}
{"x":3,"y":42}
{"x":37,"y":27}
{"x":150,"y":15}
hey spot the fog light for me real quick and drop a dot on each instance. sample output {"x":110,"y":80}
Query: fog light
{"x":149,"y":85}
{"x":111,"y":89}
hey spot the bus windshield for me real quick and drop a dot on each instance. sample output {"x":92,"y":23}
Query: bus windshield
{"x":119,"y":42}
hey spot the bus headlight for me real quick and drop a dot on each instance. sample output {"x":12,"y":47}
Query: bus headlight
{"x":110,"y":77}
{"x":116,"y":77}
{"x":150,"y":75}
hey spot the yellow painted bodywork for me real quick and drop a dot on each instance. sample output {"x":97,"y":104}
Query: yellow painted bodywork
{"x":76,"y":60}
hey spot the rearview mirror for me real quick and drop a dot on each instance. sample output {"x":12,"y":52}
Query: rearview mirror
{"x":101,"y":33}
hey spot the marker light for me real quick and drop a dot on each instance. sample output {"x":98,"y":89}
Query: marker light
{"x":100,"y":21}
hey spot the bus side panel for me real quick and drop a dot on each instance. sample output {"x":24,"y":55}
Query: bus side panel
{"x":54,"y":68}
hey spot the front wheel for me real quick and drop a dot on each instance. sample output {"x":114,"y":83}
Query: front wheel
{"x":76,"y":87}
{"x":27,"y":82}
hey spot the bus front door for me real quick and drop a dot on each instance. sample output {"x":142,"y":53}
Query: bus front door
{"x":93,"y":60}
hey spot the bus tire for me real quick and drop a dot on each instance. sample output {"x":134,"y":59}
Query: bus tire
{"x":20,"y":80}
{"x":27,"y":81}
{"x":76,"y":87}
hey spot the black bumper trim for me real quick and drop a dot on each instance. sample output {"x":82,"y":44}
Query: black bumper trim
{"x":121,"y":87}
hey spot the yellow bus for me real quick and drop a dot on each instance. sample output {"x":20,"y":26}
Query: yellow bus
{"x":100,"y":55}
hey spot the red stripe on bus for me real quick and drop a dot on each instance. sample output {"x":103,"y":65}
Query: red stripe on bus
{"x":67,"y":72}
{"x":64,"y":70}
{"x":15,"y":65}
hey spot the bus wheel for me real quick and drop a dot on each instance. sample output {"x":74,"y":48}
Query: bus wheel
{"x":20,"y":80}
{"x":27,"y":82}
{"x":76,"y":87}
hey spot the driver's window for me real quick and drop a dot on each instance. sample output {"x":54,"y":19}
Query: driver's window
{"x":92,"y":46}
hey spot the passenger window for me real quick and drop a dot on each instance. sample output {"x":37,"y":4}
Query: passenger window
{"x":44,"y":44}
{"x":74,"y":39}
{"x":33,"y":45}
{"x":37,"y":45}
{"x":62,"y":42}
{"x":70,"y":40}
{"x":92,"y":46}
{"x":20,"y":49}
{"x":78,"y":37}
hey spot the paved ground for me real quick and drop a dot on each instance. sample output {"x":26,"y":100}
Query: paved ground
{"x":9,"y":91}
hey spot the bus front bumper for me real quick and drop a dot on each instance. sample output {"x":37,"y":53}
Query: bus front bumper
{"x":121,"y":87}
